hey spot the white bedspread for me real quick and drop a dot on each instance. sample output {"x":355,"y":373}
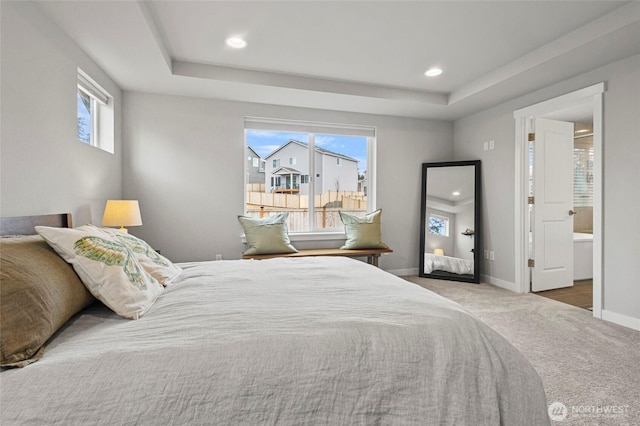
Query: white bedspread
{"x":302,"y":341}
{"x":435,"y":262}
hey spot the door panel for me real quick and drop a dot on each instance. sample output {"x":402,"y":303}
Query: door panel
{"x":552,"y":224}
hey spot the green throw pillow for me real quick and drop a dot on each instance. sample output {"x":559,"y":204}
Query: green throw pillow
{"x":363,"y":232}
{"x":268,"y":235}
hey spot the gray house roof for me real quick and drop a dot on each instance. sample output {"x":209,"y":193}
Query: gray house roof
{"x":251,"y":149}
{"x":285,"y":171}
{"x":320,"y":150}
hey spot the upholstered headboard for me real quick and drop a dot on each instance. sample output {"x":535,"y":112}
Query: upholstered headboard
{"x":23,"y":225}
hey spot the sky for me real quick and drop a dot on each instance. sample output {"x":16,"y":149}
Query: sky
{"x":264,"y":142}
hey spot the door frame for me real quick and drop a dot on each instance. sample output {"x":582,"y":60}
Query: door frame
{"x":524,"y":123}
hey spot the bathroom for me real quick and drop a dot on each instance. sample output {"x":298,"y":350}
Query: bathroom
{"x":583,"y":153}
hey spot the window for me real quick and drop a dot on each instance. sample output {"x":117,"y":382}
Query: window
{"x":255,"y":162}
{"x":583,"y":173}
{"x":438,"y":225}
{"x":94,"y":114}
{"x":332,"y":174}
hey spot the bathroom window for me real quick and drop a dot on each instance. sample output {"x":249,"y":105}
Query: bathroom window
{"x":583,"y":173}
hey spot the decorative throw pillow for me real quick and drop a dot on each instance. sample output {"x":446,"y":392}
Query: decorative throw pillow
{"x":363,"y":232}
{"x":39,"y":293}
{"x":108,"y":268}
{"x":160,"y":268}
{"x":268,"y":235}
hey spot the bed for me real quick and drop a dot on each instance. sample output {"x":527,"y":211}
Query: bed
{"x":281,"y":341}
{"x":454,"y":265}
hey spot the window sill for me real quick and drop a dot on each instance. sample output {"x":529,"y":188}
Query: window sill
{"x":317,"y":236}
{"x":313,"y":236}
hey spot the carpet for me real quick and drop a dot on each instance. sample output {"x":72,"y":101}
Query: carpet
{"x":590,"y":368}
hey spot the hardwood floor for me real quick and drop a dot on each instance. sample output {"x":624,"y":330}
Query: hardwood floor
{"x":580,"y":295}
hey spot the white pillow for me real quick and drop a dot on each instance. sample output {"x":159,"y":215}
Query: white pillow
{"x":106,"y":267}
{"x":160,"y":268}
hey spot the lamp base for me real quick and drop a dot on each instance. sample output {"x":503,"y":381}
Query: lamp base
{"x":123,"y":229}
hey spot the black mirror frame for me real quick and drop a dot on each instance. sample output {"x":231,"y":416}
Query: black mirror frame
{"x":477,"y":244}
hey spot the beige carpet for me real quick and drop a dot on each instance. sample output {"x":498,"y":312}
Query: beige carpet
{"x":590,"y":366}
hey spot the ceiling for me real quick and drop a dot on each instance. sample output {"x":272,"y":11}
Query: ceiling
{"x":442,"y":182}
{"x":359,"y":56}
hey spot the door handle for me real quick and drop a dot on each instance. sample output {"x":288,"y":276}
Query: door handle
{"x":571,"y":212}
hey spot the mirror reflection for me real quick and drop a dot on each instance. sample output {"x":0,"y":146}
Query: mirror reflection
{"x":450,"y":217}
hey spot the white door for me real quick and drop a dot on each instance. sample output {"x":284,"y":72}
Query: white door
{"x":552,"y":221}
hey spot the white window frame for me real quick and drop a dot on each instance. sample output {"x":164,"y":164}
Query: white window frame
{"x":312,"y":129}
{"x":101,"y":112}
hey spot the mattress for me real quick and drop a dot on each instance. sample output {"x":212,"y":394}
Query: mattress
{"x":435,"y":262}
{"x":280,"y":341}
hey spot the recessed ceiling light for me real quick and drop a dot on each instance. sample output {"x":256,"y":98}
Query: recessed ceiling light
{"x":455,"y":193}
{"x":433,"y":72}
{"x":236,"y":42}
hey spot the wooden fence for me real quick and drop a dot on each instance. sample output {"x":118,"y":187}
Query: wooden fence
{"x":298,"y":220}
{"x":255,"y":187}
{"x":326,"y":205}
{"x":349,"y":199}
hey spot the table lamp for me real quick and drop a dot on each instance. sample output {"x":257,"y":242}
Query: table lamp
{"x":122,"y":213}
{"x":439,"y":252}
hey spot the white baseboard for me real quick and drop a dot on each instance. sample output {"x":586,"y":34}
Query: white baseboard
{"x":499,"y":283}
{"x":403,"y":272}
{"x":620,"y":319}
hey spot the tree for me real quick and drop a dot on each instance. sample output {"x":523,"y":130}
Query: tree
{"x":84,"y":134}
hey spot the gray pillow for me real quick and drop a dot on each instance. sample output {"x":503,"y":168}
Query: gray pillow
{"x":267,"y":235}
{"x":362,"y":232}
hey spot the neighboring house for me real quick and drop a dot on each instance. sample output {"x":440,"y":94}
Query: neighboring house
{"x":287,"y":170}
{"x":255,"y":166}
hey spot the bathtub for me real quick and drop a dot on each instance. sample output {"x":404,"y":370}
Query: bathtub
{"x":582,"y":256}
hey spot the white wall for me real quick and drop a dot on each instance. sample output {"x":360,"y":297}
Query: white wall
{"x":621,"y":162}
{"x":44,"y":168}
{"x":464,"y":243}
{"x":184,"y":158}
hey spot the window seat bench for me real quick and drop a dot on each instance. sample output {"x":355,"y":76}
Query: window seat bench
{"x":372,"y":255}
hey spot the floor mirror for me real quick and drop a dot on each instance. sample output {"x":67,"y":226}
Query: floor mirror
{"x":450,"y":234}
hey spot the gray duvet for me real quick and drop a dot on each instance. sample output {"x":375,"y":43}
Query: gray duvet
{"x":302,"y":341}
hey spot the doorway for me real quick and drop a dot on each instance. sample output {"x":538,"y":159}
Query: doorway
{"x":575,"y":106}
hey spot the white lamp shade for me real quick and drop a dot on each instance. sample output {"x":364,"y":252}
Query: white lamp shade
{"x":439,"y":252}
{"x":122,"y":213}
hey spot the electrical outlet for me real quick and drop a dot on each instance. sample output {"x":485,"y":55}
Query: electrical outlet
{"x":492,"y":144}
{"x":486,"y":254}
{"x":485,"y":146}
{"x":218,"y":257}
{"x":492,"y":255}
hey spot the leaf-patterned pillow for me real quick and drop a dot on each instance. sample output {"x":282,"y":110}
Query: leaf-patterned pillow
{"x":160,"y":268}
{"x":108,"y":268}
